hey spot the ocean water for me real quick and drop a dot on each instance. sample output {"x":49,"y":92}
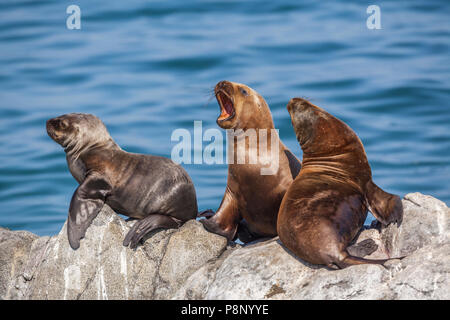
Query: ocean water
{"x":147,"y":68}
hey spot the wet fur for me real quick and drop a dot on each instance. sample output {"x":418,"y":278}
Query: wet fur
{"x":249,"y":207}
{"x":136,"y":185}
{"x":327,"y":204}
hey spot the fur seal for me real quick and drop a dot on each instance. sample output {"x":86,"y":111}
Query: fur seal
{"x":251,"y":200}
{"x":327,"y":204}
{"x":153,"y":189}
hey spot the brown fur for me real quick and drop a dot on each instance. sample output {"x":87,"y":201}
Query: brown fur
{"x":328,"y":201}
{"x":152,"y":189}
{"x":251,"y":200}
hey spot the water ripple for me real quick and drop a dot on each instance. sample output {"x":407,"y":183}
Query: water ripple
{"x":147,"y":68}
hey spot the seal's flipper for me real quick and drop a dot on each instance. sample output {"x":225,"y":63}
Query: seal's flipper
{"x":144,"y":226}
{"x":352,"y":260}
{"x":86,"y":203}
{"x":385,"y":207}
{"x":226,"y":220}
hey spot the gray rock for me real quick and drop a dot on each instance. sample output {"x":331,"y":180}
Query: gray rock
{"x":14,"y":249}
{"x":423,"y":275}
{"x":187,"y":250}
{"x":191,"y":263}
{"x":269,"y":271}
{"x":426,"y":221}
{"x":102,"y":268}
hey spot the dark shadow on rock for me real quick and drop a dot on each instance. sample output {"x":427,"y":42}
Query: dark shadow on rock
{"x":259,"y":241}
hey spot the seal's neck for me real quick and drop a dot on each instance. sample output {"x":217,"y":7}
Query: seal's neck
{"x":75,"y":150}
{"x":330,"y":147}
{"x":347,"y":164}
{"x":77,"y":160}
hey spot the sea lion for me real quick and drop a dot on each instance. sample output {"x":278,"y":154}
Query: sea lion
{"x":153,"y":189}
{"x":252,"y":199}
{"x":327,"y":204}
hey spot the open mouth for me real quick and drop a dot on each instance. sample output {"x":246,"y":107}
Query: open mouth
{"x":226,"y":106}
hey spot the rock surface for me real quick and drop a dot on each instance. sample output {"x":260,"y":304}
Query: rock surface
{"x":102,"y":268}
{"x":190,"y":263}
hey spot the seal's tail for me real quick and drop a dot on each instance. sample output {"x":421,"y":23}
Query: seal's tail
{"x":352,"y":260}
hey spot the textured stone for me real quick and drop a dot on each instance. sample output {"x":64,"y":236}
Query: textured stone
{"x":102,"y":268}
{"x":191,"y":263}
{"x":269,"y":271}
{"x":426,"y":221}
{"x":14,"y":250}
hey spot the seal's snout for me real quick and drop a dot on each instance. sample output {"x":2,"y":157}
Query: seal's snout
{"x":50,"y":126}
{"x":57,"y":127}
{"x":296,"y":103}
{"x":56,"y":124}
{"x":51,"y":123}
{"x":224,"y":85}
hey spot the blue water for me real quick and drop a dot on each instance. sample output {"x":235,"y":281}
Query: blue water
{"x":148,"y":67}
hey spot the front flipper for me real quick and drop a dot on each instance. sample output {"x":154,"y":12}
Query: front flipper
{"x":144,"y":226}
{"x":226,"y":220}
{"x":87,"y":201}
{"x":385,"y":207}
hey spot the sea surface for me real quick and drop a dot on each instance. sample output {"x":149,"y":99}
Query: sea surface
{"x":147,"y":68}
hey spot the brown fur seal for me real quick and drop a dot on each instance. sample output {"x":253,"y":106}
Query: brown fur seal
{"x":251,"y":199}
{"x":327,"y":203}
{"x":153,"y":189}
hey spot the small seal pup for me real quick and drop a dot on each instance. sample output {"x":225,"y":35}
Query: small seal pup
{"x":327,"y":204}
{"x":153,"y":189}
{"x":250,"y":205}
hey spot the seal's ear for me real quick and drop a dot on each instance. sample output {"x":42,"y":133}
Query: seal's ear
{"x":385,"y":207}
{"x":87,"y":201}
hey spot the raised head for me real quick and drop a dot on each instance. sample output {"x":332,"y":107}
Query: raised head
{"x":78,"y":133}
{"x":318,"y":132}
{"x":241,"y":107}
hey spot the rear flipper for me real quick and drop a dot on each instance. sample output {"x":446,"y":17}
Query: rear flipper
{"x":352,"y":260}
{"x":144,"y":226}
{"x":385,"y":207}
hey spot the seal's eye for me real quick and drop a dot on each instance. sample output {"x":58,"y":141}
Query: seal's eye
{"x":243,"y":91}
{"x":64,"y":124}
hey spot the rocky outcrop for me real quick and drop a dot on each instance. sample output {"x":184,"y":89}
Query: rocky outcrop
{"x":14,"y":251}
{"x":190,"y":263}
{"x":102,"y":268}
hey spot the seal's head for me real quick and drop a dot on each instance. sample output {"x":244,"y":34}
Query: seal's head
{"x":241,"y":107}
{"x":78,"y":132}
{"x":319,"y":132}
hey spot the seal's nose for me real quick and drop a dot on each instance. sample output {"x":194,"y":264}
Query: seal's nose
{"x":52,"y":122}
{"x":224,"y":85}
